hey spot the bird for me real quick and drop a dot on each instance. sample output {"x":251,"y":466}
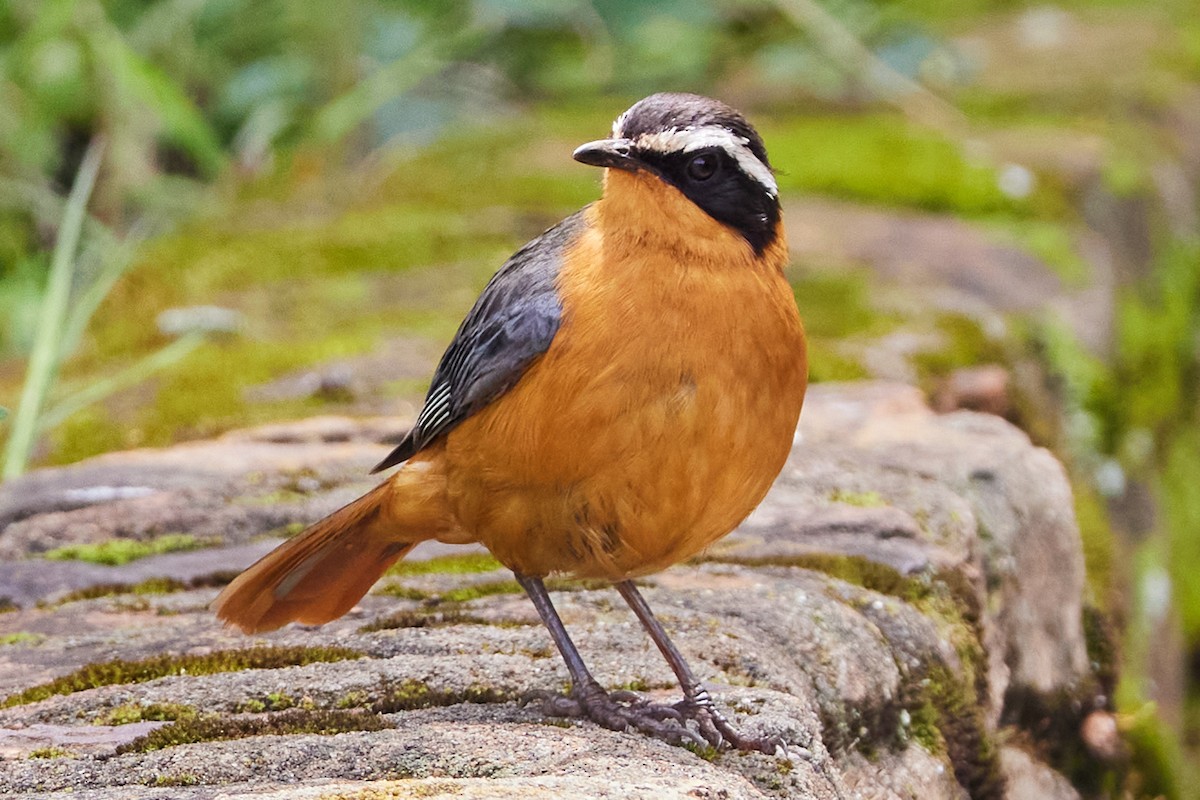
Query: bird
{"x":622,"y":394}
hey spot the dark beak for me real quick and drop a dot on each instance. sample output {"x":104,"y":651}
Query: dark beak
{"x":615,"y":153}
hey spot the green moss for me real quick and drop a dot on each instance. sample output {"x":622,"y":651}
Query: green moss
{"x":291,"y":261}
{"x":412,"y":694}
{"x":835,"y":304}
{"x":213,"y":727}
{"x":90,"y":432}
{"x":836,"y":308}
{"x":475,"y":591}
{"x":278,"y":701}
{"x":556,"y":722}
{"x":291,"y":529}
{"x":937,"y":707}
{"x":20,"y":637}
{"x":120,"y":671}
{"x":209,"y":390}
{"x":153,"y":586}
{"x":121,"y":551}
{"x":50,"y":752}
{"x":945,"y":706}
{"x":500,"y":161}
{"x":1100,"y":545}
{"x":1155,"y":756}
{"x":402,"y":592}
{"x":883,"y":158}
{"x":447,"y":565}
{"x":965,"y":344}
{"x":278,"y":497}
{"x":1153,"y":379}
{"x":940,"y":708}
{"x":825,"y":365}
{"x":150,"y":586}
{"x":581,"y":584}
{"x":705,"y":751}
{"x":465,"y":594}
{"x":437,"y":617}
{"x":1181,"y":503}
{"x":354,"y":699}
{"x":862,"y":499}
{"x":176,"y":779}
{"x":129,"y":713}
{"x":1126,"y":174}
{"x":460,"y":595}
{"x":206,"y":393}
{"x":1181,"y":53}
{"x":273,"y":701}
{"x":923,"y":729}
{"x":851,"y":569}
{"x":954,"y":708}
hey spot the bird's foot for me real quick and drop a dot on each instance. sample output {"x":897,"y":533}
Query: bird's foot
{"x":693,"y":722}
{"x":719,"y":731}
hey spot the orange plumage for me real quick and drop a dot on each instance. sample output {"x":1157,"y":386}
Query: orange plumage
{"x":622,"y":395}
{"x":320,"y":574}
{"x":662,"y":412}
{"x":643,"y":439}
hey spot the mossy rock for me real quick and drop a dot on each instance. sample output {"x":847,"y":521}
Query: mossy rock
{"x":120,"y":671}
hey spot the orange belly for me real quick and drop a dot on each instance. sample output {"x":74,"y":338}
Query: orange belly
{"x":655,"y":423}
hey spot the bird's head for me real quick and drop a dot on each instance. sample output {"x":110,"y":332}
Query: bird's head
{"x":703,"y":149}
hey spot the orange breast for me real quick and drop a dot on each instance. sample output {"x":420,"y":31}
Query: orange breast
{"x":661,"y":413}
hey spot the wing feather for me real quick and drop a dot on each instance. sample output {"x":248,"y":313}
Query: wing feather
{"x":511,"y":324}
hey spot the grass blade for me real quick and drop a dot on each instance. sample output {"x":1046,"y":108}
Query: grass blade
{"x":115,"y":260}
{"x":134,"y":374}
{"x":44,"y":360}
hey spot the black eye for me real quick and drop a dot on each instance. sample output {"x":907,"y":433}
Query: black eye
{"x":702,"y":167}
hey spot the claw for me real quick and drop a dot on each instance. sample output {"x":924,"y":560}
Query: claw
{"x":709,"y":731}
{"x":663,"y":713}
{"x":628,"y":697}
{"x":718,"y":731}
{"x":802,"y":753}
{"x":553,"y":704}
{"x":624,"y":710}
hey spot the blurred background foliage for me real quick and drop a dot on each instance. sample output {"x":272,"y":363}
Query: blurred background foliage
{"x":289,"y":195}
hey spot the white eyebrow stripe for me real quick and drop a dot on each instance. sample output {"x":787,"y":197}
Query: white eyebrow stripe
{"x":619,"y":123}
{"x":687,"y":140}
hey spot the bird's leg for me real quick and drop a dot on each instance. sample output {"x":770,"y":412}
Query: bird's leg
{"x":616,"y":711}
{"x":696,"y":705}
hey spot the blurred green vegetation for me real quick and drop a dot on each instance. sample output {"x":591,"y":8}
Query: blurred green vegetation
{"x":122,"y":551}
{"x":344,"y":183}
{"x":880,"y":158}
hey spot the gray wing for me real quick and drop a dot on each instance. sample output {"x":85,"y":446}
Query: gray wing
{"x":510,"y":325}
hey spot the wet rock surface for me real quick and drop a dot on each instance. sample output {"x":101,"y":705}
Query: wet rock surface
{"x":907,"y":575}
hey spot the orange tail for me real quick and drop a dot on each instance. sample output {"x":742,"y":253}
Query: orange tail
{"x":320,"y":574}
